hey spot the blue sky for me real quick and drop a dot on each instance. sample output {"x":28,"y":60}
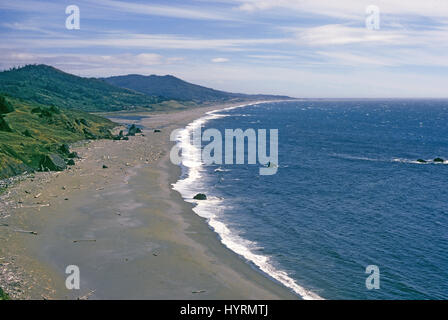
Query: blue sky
{"x":302,"y":48}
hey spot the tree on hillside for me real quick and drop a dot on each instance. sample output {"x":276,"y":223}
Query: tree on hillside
{"x":5,"y":106}
{"x":4,"y":125}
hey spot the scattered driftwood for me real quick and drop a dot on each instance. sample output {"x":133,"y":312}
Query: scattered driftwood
{"x":86,"y":297}
{"x":37,"y":206}
{"x":26,"y":231}
{"x":199,"y":291}
{"x":84,"y":240}
{"x":19,"y":230}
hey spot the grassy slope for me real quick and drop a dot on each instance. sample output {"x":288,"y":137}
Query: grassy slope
{"x":50,"y":86}
{"x":19,"y":152}
{"x":3,"y":295}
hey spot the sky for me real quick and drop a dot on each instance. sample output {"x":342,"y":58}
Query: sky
{"x":300,"y":48}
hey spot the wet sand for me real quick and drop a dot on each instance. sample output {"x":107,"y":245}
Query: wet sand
{"x":130,"y":234}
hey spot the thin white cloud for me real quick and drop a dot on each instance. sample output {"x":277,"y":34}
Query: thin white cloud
{"x":341,"y":58}
{"x":174,"y":11}
{"x":349,"y":9}
{"x":28,"y":26}
{"x":337,"y":34}
{"x":11,"y":58}
{"x":31,"y":6}
{"x":154,"y":41}
{"x":219,"y":60}
{"x":269,"y":56}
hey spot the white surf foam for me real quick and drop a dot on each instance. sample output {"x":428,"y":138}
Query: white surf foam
{"x":400,"y":160}
{"x":212,"y":208}
{"x":428,"y":161}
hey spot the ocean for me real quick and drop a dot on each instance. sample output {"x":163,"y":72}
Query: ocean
{"x":348,"y":193}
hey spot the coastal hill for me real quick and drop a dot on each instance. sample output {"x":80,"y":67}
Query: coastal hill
{"x":42,"y":108}
{"x":49,"y":86}
{"x":173,"y":88}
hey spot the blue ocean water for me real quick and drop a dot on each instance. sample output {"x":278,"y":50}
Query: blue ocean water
{"x":348,"y":193}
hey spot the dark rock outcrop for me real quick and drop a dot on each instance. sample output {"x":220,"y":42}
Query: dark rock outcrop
{"x":439,"y":160}
{"x":120,"y":136}
{"x":134,"y":130}
{"x":200,"y":196}
{"x":52,"y":162}
{"x":421,"y":161}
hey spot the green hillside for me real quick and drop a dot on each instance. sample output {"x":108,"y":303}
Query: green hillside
{"x":45,"y":107}
{"x":32,"y":131}
{"x":50,"y":86}
{"x":3,"y":295}
{"x":173,"y":88}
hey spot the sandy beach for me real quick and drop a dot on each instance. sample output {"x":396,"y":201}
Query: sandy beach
{"x":130,"y":234}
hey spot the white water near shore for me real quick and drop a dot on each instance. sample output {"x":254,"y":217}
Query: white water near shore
{"x":211,"y":209}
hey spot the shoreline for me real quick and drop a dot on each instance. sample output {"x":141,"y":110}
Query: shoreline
{"x":187,"y":187}
{"x":155,"y":247}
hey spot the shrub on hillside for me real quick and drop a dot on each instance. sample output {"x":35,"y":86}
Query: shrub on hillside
{"x":5,"y":106}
